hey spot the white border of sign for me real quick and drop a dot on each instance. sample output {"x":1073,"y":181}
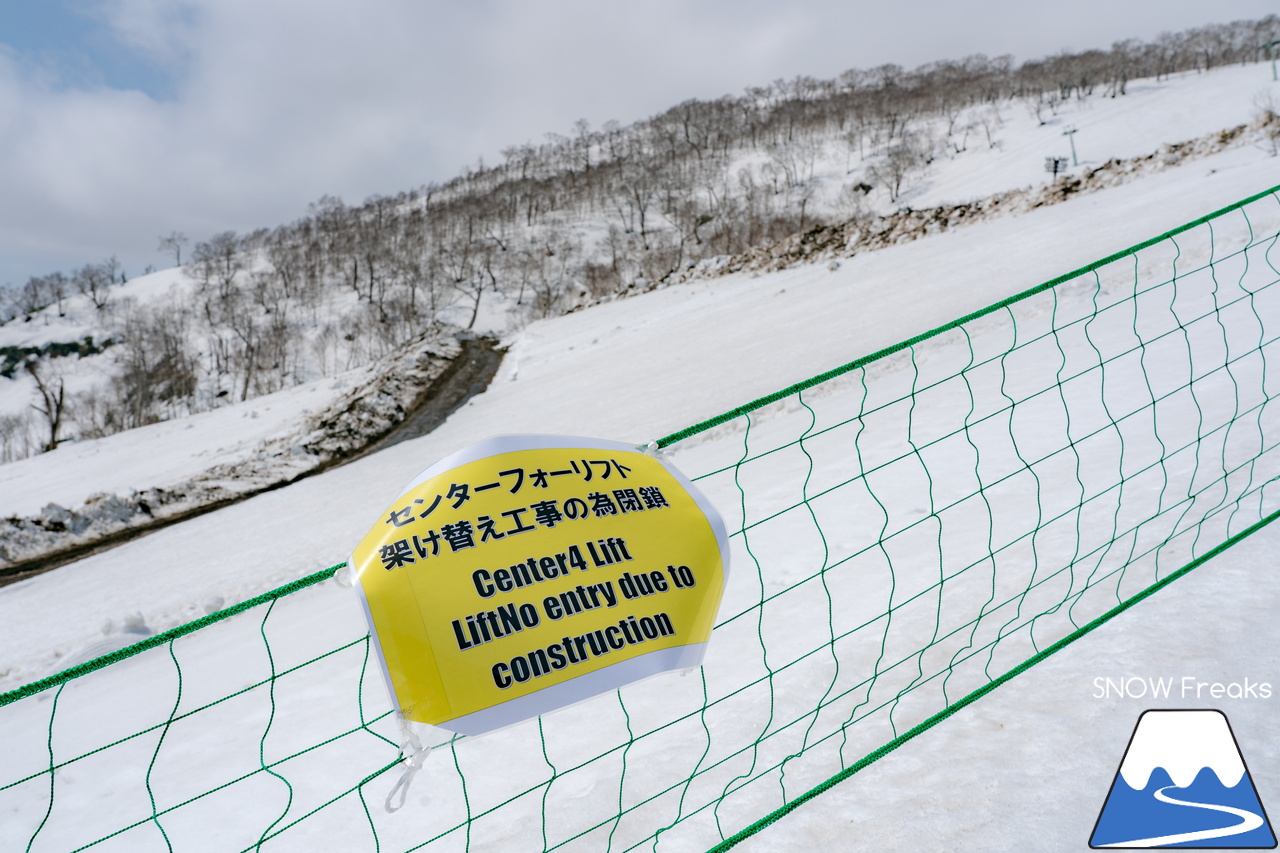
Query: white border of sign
{"x":585,"y":686}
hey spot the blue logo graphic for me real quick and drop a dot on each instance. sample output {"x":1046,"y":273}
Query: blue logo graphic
{"x":1183,"y":783}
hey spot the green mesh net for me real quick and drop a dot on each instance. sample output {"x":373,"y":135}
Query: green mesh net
{"x":910,"y":531}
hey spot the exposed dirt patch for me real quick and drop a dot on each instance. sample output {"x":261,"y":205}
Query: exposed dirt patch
{"x":468,"y":374}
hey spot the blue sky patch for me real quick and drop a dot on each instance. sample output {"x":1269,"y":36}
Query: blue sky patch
{"x":72,"y":45}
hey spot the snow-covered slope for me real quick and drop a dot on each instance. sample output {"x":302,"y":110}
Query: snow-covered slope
{"x":1152,"y":114}
{"x":631,"y":370}
{"x":639,"y":368}
{"x":1029,"y":766}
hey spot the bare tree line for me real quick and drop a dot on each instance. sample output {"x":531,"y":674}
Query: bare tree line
{"x":90,"y":280}
{"x":574,"y":219}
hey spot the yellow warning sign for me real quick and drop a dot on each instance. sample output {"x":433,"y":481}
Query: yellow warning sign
{"x":526,"y":573}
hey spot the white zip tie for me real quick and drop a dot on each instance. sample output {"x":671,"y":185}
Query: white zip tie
{"x":413,"y":754}
{"x":652,"y":449}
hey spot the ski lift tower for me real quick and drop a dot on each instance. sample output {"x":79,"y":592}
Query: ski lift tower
{"x":1271,"y":55}
{"x":1069,"y":133}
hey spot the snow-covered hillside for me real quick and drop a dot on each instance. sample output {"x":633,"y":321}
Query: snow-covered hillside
{"x":638,"y":356}
{"x":635,"y":369}
{"x":1152,"y":116}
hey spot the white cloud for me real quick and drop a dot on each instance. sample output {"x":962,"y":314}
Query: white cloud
{"x":280,"y":101}
{"x":163,"y":31}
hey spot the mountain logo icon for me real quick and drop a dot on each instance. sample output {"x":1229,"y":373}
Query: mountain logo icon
{"x":1183,"y":783}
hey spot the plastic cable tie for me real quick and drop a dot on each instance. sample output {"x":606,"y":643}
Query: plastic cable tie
{"x":652,"y":449}
{"x":413,"y":754}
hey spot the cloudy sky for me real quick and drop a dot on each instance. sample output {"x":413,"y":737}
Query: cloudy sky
{"x":121,"y":120}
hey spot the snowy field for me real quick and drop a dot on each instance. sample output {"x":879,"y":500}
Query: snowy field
{"x":634,"y":370}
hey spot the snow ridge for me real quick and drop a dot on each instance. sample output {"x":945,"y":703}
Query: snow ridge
{"x":1183,"y":743}
{"x":380,"y":400}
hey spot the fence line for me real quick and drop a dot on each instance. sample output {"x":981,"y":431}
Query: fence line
{"x":923,"y":523}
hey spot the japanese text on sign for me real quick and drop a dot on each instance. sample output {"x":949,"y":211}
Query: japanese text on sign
{"x":504,"y":573}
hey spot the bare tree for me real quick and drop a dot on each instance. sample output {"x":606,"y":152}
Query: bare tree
{"x":93,"y":280}
{"x":8,"y":303}
{"x":990,"y":120}
{"x":482,"y":278}
{"x":32,"y":296}
{"x":42,"y":291}
{"x":549,"y":266}
{"x":635,"y":193}
{"x":174,"y":243}
{"x":52,"y":401}
{"x":796,"y":158}
{"x":217,"y":263}
{"x":910,"y":156}
{"x":157,"y":370}
{"x":16,"y":439}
